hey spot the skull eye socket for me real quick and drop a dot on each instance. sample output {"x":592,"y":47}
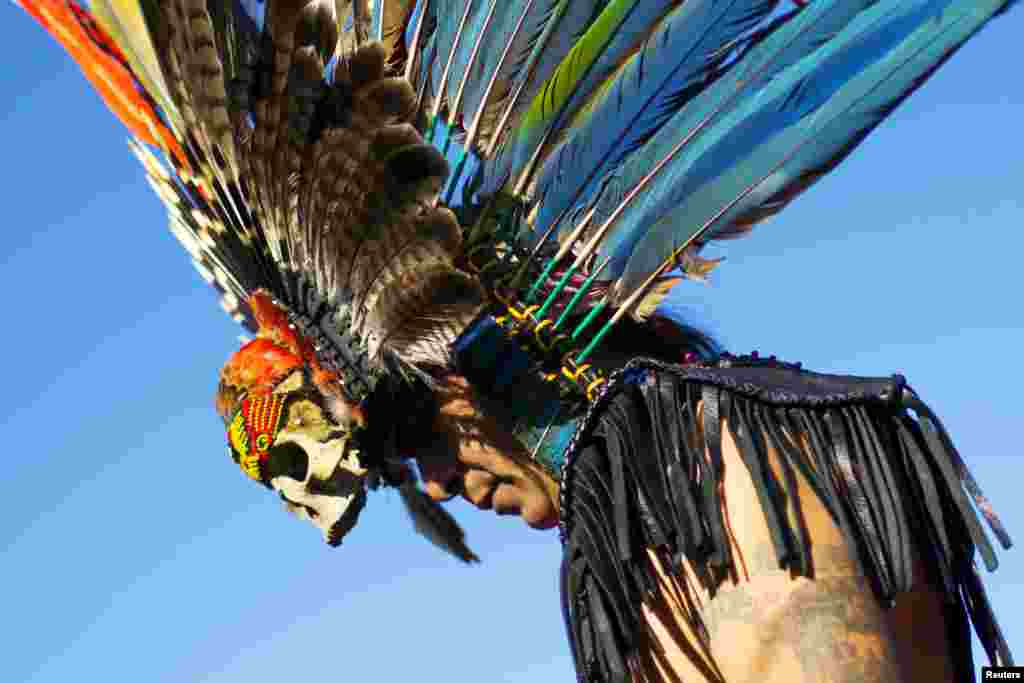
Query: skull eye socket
{"x":287,"y":460}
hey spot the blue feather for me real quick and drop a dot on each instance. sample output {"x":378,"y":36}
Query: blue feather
{"x":477,"y":27}
{"x":414,"y":17}
{"x":799,"y":125}
{"x":448,"y":14}
{"x":790,"y":39}
{"x":520,"y":45}
{"x":428,"y":57}
{"x":568,"y":22}
{"x":377,"y":20}
{"x":682,"y":51}
{"x":622,"y":25}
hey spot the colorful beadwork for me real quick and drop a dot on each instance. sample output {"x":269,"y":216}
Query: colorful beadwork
{"x":253,"y":431}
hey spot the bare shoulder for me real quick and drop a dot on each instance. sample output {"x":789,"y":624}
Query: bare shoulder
{"x":772,"y":628}
{"x":769,"y":626}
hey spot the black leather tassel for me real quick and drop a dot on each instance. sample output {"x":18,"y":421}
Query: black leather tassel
{"x":637,"y":478}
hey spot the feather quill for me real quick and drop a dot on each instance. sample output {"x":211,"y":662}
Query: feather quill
{"x":466,"y":56}
{"x":451,"y":39}
{"x":501,"y":62}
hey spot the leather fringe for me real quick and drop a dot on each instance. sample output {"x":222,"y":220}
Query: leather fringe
{"x":636,"y":477}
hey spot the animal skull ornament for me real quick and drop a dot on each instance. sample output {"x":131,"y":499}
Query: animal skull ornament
{"x":303,"y":446}
{"x":321,"y":482}
{"x":292,"y":428}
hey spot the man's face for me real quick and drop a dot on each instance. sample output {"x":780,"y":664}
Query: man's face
{"x":486,"y":465}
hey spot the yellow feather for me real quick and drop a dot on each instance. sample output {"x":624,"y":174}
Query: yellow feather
{"x":124,"y":21}
{"x":697,"y":268}
{"x":645,"y":307}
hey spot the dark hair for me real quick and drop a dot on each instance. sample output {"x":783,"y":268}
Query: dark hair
{"x":400,"y":412}
{"x":664,"y":336}
{"x":401,"y":409}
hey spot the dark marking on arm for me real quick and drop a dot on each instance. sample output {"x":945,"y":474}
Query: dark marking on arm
{"x":827,"y":630}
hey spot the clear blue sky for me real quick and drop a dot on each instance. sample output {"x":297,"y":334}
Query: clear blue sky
{"x":131,"y":548}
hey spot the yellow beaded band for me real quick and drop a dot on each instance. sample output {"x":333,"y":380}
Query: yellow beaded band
{"x":538,"y":338}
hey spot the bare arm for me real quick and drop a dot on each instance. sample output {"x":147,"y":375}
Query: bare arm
{"x":774,"y":628}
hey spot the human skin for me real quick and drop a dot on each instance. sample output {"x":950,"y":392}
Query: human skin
{"x":475,"y":458}
{"x":767,"y":626}
{"x":771,"y":626}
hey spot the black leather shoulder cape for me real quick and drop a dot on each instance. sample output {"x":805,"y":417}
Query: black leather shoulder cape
{"x":880,"y":460}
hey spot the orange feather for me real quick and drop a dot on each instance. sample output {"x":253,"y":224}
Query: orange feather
{"x":108,"y":71}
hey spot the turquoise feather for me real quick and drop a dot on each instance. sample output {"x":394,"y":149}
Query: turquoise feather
{"x":480,"y":21}
{"x":800,"y":125}
{"x":377,"y":20}
{"x":788,"y":40}
{"x":682,"y":51}
{"x":410,"y":29}
{"x":569,"y":20}
{"x":676,"y":121}
{"x":559,"y":23}
{"x":447,"y":14}
{"x":609,"y":38}
{"x":514,"y":33}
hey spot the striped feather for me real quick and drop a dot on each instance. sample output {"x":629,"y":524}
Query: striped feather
{"x":664,"y":124}
{"x":309,"y":181}
{"x":362,"y":18}
{"x":221,"y":259}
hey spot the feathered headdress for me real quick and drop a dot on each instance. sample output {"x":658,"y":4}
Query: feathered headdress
{"x":384,"y":189}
